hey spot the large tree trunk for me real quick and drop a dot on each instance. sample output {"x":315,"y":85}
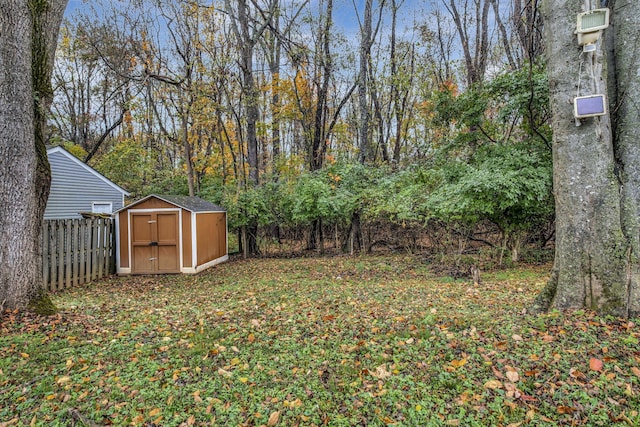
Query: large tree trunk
{"x":27,"y":44}
{"x":624,"y":95}
{"x":590,"y":267}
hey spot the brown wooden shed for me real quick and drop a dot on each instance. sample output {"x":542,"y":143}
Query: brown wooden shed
{"x":170,"y":234}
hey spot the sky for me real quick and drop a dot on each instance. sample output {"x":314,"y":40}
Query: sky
{"x":345,"y":17}
{"x":73,"y":5}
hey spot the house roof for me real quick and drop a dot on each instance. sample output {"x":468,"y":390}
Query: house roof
{"x":61,"y":150}
{"x":192,"y":204}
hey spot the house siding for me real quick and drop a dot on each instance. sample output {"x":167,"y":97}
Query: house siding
{"x":74,"y":188}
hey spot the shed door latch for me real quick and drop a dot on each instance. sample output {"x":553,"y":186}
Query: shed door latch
{"x":153,"y":244}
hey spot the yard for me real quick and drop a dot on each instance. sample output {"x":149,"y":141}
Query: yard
{"x":339,"y":341}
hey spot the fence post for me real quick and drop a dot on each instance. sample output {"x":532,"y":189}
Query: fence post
{"x":112,"y":246}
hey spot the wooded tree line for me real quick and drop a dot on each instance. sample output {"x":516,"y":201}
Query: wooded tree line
{"x":299,"y":129}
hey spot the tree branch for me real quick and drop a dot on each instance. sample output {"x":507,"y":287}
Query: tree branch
{"x":104,"y":136}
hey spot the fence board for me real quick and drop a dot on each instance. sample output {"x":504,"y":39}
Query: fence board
{"x":83,"y":256}
{"x":45,"y":254}
{"x":75,"y":252}
{"x":53,"y":276}
{"x":61,"y":255}
{"x":94,"y":249}
{"x":101,"y":230}
{"x":76,"y":264}
{"x":68,"y":260}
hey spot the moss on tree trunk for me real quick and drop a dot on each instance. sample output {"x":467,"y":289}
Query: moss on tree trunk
{"x":42,"y":305}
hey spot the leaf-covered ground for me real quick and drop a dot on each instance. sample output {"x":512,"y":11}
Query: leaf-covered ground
{"x":326,"y":341}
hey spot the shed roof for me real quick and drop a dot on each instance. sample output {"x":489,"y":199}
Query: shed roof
{"x":192,"y":204}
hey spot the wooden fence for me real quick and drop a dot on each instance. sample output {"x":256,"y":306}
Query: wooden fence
{"x":76,"y":251}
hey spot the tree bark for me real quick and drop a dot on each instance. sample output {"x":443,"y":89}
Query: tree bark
{"x":318,"y":143}
{"x":394,"y":82}
{"x":623,"y":37}
{"x":27,"y":45}
{"x":363,"y":105}
{"x":590,"y":267}
{"x":247,"y":38}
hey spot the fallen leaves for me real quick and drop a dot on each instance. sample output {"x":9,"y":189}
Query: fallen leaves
{"x":548,"y":338}
{"x":224,"y":373}
{"x":493,"y":384}
{"x":273,"y":418}
{"x":512,"y":374}
{"x":562,"y":409}
{"x":458,"y":363}
{"x":282,"y":342}
{"x":63,"y":380}
{"x":595,"y":364}
{"x":381,"y":372}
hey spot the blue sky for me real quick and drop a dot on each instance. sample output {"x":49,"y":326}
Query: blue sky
{"x":345,"y":16}
{"x":73,"y":5}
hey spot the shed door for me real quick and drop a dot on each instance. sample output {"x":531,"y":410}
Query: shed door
{"x":154,"y":243}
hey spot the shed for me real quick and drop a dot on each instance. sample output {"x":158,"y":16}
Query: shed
{"x":170,"y":234}
{"x":76,"y":188}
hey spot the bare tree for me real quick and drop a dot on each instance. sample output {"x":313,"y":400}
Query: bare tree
{"x":474,"y":40}
{"x":248,"y":28}
{"x":325,"y":63}
{"x":91,"y":101}
{"x":504,"y":35}
{"x":402,"y":81}
{"x":528,"y":29}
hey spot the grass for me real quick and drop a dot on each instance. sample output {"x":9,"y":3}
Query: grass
{"x":327,"y":341}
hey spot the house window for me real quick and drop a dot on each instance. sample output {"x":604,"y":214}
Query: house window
{"x":102,"y":207}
